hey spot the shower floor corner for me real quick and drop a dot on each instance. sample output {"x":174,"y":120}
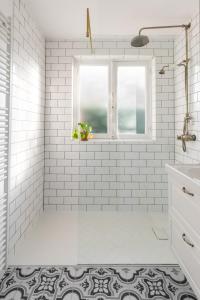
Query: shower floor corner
{"x":70,"y":238}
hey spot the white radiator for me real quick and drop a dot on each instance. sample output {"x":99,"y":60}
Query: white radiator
{"x":5,"y":38}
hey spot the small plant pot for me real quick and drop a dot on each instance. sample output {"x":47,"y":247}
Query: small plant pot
{"x":84,"y":137}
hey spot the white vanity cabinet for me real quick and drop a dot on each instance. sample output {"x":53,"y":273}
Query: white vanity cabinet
{"x":184,"y":216}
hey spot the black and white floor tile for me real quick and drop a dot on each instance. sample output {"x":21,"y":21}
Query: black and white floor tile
{"x":98,"y":282}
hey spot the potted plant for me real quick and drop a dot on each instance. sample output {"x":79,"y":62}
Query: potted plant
{"x":82,"y":132}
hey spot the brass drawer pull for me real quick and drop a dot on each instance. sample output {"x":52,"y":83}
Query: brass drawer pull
{"x":186,"y":191}
{"x":186,"y":240}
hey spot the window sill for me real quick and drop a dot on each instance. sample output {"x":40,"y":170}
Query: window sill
{"x":115,"y":141}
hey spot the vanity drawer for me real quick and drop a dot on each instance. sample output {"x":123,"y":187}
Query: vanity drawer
{"x":188,"y":206}
{"x":188,"y":253}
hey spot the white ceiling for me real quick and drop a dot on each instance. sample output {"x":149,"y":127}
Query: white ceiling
{"x":6,"y":7}
{"x":66,"y":18}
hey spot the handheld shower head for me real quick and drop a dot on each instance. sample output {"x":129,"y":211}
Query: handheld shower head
{"x":139,"y":41}
{"x":162,"y":71}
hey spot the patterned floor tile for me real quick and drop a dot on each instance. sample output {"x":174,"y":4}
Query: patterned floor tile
{"x":97,"y":282}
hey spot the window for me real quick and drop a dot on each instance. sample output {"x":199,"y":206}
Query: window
{"x":94,"y":96}
{"x":114,"y":97}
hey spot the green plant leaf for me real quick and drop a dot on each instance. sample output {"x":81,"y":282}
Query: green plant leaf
{"x":75,"y":134}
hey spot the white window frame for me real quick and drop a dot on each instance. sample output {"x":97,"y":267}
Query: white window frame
{"x":112,"y":125}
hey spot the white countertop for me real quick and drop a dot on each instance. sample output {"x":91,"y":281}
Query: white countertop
{"x":189,"y":171}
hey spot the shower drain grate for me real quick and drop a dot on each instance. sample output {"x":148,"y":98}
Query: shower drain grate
{"x":160,"y":233}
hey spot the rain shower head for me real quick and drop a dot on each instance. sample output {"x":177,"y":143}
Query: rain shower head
{"x":142,"y":40}
{"x":139,"y":41}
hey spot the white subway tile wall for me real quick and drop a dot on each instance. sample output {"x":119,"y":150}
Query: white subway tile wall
{"x":97,"y":175}
{"x":192,"y":155}
{"x":27,"y":124}
{"x":105,"y":175}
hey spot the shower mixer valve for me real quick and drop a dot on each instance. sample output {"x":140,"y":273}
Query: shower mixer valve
{"x":186,"y":137}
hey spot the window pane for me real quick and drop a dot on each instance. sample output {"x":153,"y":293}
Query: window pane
{"x":131,"y":86}
{"x":94,"y":96}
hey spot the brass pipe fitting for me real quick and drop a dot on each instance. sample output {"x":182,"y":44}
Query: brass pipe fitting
{"x":187,"y":137}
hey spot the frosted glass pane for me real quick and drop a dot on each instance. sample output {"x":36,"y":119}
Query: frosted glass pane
{"x":131,"y":85}
{"x":94,"y":96}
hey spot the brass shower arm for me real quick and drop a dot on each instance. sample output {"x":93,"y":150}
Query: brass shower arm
{"x":186,"y":26}
{"x":182,"y":64}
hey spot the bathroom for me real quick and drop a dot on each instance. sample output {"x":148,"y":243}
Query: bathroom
{"x":100,"y":149}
